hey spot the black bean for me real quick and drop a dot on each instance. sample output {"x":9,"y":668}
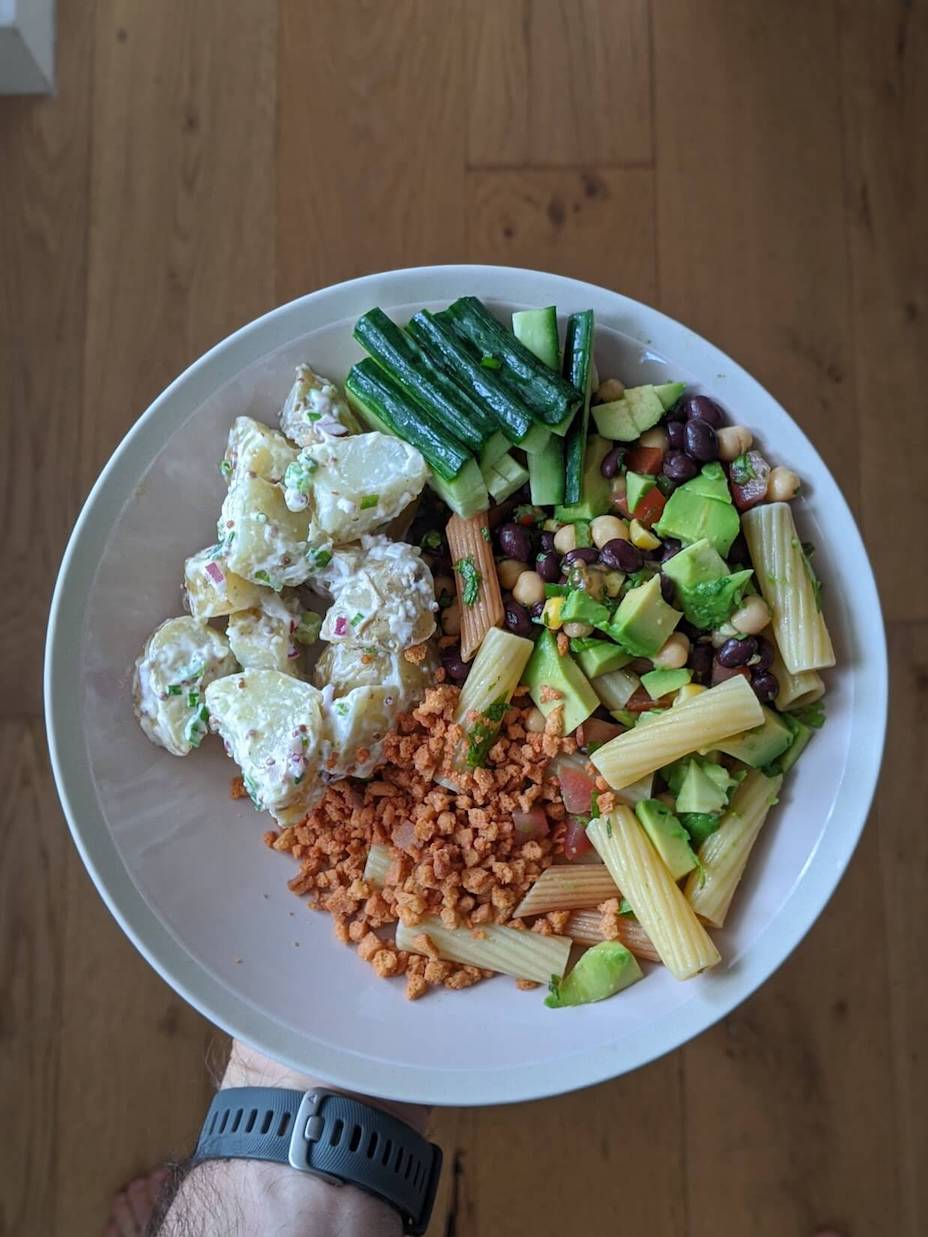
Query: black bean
{"x":612,"y":462}
{"x":765,"y":686}
{"x":676,"y":413}
{"x":736,"y":652}
{"x":620,"y":555}
{"x":739,"y":550}
{"x":665,"y":485}
{"x":679,"y":467}
{"x":668,"y":592}
{"x":765,"y":655}
{"x":669,"y":548}
{"x":548,"y":567}
{"x":456,"y":669}
{"x":547,"y":542}
{"x":515,"y":542}
{"x":517,"y":619}
{"x":704,"y":408}
{"x":537,"y":609}
{"x":701,"y":440}
{"x":700,"y":661}
{"x":675,"y":434}
{"x":583,"y":554}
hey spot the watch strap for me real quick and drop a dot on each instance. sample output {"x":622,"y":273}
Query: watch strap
{"x":329,"y":1135}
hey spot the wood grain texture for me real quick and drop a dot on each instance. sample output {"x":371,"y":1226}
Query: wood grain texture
{"x":557,"y":83}
{"x":883,"y":51}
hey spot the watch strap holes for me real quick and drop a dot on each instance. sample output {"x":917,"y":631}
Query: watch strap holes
{"x":266,"y":1123}
{"x":372,"y":1144}
{"x":355,"y":1142}
{"x":284,"y":1125}
{"x":336,"y":1136}
{"x":252,"y":1118}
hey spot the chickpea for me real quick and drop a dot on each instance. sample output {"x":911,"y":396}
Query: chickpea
{"x":509,"y":570}
{"x":655,"y":438}
{"x":576,"y":631}
{"x":723,"y":633}
{"x":751,"y":617}
{"x":451,"y":619}
{"x":782,"y":484}
{"x":565,"y":538}
{"x":733,"y":440}
{"x":444,"y":587}
{"x":529,"y":589}
{"x":535,"y":721}
{"x":607,"y":528}
{"x":608,"y":390}
{"x":673,"y":653}
{"x":619,"y":488}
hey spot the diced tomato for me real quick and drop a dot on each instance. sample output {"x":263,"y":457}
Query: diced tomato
{"x":576,"y":787}
{"x":647,"y":460}
{"x":748,"y":476}
{"x":720,"y":673}
{"x":531,"y":824}
{"x":641,"y":702}
{"x":650,"y":507}
{"x":595,"y":732}
{"x":576,"y":843}
{"x":621,"y":506}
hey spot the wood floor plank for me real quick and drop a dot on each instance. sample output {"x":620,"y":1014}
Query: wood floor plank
{"x":559,"y":83}
{"x":883,"y":51}
{"x":595,"y":224}
{"x":182,"y":236}
{"x":751,"y":244}
{"x":371,"y":165}
{"x":181,"y":252}
{"x":752,"y":251}
{"x":45,"y":145}
{"x":34,"y":855}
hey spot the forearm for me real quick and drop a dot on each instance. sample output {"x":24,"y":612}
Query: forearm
{"x":242,"y":1198}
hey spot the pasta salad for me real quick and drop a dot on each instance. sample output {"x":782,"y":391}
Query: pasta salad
{"x":517,"y":657}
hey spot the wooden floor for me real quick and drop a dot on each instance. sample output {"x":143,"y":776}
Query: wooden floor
{"x":758,"y":169}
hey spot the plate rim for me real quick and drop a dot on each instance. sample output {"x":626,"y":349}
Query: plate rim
{"x":817,"y":882}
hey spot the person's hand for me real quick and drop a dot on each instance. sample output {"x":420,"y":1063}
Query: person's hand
{"x":249,"y":1068}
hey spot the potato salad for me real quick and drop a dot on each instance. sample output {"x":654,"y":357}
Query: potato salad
{"x":299,"y":558}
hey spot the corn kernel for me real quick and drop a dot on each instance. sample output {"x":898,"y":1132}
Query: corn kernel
{"x":551,"y":614}
{"x":642,"y":537}
{"x":687,"y":693}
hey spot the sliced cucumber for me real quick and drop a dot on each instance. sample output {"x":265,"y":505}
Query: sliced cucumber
{"x":494,"y":449}
{"x":578,"y":370}
{"x":668,"y":393}
{"x":550,"y":397}
{"x":537,"y":330}
{"x":505,"y":477}
{"x":466,"y":494}
{"x":546,"y":474}
{"x":449,"y":353}
{"x":423,"y":381}
{"x":383,"y":404}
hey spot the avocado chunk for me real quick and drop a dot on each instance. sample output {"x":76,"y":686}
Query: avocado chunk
{"x":600,"y":657}
{"x":643,"y":620}
{"x":639,"y":409}
{"x":659,"y":683}
{"x":801,"y":734}
{"x":615,"y":420}
{"x":646,"y":405}
{"x":580,"y":607}
{"x":700,"y":825}
{"x":668,"y":393}
{"x":701,"y":508}
{"x":761,"y":746}
{"x":709,"y":604}
{"x":699,"y":563}
{"x":669,"y":838}
{"x":637,"y":486}
{"x":700,"y":791}
{"x":603,"y":971}
{"x":548,"y":669}
{"x":595,"y":488}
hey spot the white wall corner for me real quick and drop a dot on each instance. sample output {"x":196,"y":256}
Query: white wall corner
{"x":27,"y":46}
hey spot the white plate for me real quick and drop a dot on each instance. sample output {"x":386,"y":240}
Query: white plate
{"x":183,"y":868}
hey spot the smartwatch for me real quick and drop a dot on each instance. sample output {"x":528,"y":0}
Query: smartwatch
{"x":342,"y":1140}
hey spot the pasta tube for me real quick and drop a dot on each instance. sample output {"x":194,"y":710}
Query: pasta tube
{"x":682,"y":943}
{"x":485,"y":696}
{"x":697,"y":724}
{"x":477,"y":582}
{"x":377,"y":865}
{"x":723,"y":855}
{"x":526,"y":955}
{"x":789,"y":587}
{"x":566,"y":886}
{"x":586,"y":928}
{"x":795,"y":690}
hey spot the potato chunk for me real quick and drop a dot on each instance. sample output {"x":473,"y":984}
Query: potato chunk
{"x":383,"y":595}
{"x":213,"y":590}
{"x":346,"y":666}
{"x":315,"y":409}
{"x":361,"y":482}
{"x":262,"y":638}
{"x":356,"y":726}
{"x":180,"y":659}
{"x":254,"y":447}
{"x":262,"y":540}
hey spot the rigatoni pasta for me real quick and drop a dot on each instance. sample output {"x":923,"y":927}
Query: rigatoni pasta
{"x":696,"y":724}
{"x":723,"y":855}
{"x":485,"y":696}
{"x":566,"y":886}
{"x":789,"y":587}
{"x":586,"y":928}
{"x":795,"y":691}
{"x":680,"y":940}
{"x":477,"y":582}
{"x":493,"y":947}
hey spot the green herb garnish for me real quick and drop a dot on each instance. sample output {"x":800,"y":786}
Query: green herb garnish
{"x":742,"y":470}
{"x":484,"y":731}
{"x":491,"y":362}
{"x":431,"y":540}
{"x":369,"y":501}
{"x":471,"y":580}
{"x":225,"y":467}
